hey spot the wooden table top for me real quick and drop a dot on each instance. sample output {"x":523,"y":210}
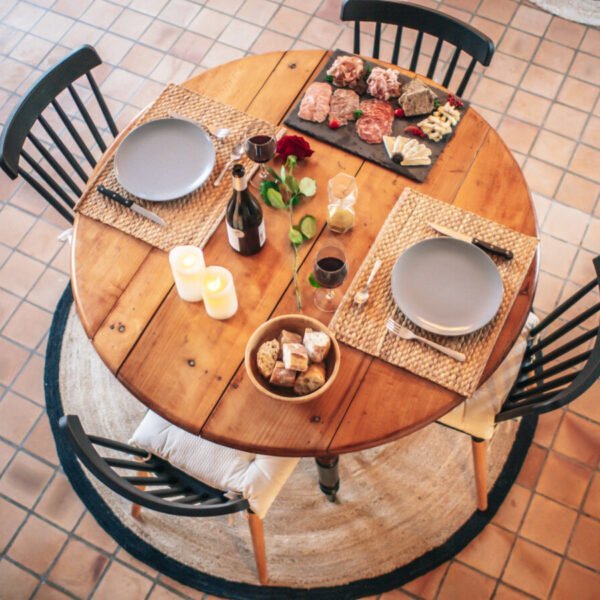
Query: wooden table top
{"x":148,"y":337}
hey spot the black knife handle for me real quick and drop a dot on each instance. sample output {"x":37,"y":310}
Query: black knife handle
{"x":493,"y":249}
{"x":114,"y":196}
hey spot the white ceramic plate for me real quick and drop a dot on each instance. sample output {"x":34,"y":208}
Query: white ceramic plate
{"x":164,"y":159}
{"x":447,"y":286}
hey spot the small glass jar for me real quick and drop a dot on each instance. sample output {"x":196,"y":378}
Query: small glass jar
{"x":342,"y":193}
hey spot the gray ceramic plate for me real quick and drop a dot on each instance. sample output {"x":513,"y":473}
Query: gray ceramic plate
{"x":447,"y":286}
{"x":164,"y":159}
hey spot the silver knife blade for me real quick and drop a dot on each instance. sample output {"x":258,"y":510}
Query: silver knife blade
{"x":140,"y":210}
{"x":451,"y":232}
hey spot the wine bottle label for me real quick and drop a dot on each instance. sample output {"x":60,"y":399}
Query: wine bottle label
{"x":234,"y":235}
{"x":262,"y":234}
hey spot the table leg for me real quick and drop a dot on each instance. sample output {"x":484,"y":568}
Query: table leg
{"x":329,"y":476}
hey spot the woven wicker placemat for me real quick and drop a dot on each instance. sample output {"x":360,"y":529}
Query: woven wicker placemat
{"x":364,"y":327}
{"x":193,"y":218}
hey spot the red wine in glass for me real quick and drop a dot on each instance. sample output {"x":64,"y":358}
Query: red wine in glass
{"x":330,"y":271}
{"x":261,"y":148}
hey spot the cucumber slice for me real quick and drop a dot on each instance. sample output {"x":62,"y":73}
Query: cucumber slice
{"x":308,"y":226}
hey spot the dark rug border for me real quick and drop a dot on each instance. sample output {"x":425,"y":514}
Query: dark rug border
{"x":189,"y":576}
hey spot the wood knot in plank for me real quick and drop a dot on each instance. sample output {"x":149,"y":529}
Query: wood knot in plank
{"x":292,"y":65}
{"x":315,"y":419}
{"x":191,"y":362}
{"x":121,"y":328}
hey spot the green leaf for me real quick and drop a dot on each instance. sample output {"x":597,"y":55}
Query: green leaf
{"x":265,"y":186}
{"x":436,"y":103}
{"x":329,"y":78}
{"x":282,"y":174}
{"x":273,"y":174}
{"x":275,"y":198}
{"x":358,"y":114}
{"x":290,"y":162}
{"x":313,"y":281}
{"x":368,"y":69}
{"x":308,"y":187}
{"x":308,"y":226}
{"x":295,"y":236}
{"x":295,"y":199}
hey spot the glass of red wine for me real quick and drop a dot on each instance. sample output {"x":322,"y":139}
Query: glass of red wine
{"x":260,"y":146}
{"x":330,"y":271}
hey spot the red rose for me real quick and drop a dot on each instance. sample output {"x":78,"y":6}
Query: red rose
{"x":294,"y":144}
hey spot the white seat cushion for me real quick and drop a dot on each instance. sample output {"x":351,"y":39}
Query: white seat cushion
{"x":257,"y":478}
{"x":476,"y":415}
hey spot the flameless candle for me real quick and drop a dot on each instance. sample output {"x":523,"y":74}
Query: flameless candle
{"x":218,"y":292}
{"x":187,"y":266}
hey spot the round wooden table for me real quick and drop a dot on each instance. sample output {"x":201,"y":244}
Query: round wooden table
{"x":189,"y":368}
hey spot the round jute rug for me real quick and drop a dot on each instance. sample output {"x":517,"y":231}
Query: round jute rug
{"x":403,"y":509}
{"x":580,"y":11}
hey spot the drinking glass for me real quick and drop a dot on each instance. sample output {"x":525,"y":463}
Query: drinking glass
{"x":330,"y":271}
{"x":342,"y":194}
{"x":260,"y":145}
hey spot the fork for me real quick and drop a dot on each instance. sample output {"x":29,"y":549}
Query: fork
{"x":407,"y":334}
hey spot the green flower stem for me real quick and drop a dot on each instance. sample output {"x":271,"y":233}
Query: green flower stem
{"x":295,"y":247}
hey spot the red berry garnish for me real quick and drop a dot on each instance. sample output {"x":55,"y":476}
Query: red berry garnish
{"x":455,"y":101}
{"x":399,"y":112}
{"x":334,"y":124}
{"x":414,"y":130}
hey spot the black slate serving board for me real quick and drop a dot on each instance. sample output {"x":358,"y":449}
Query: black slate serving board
{"x":347,"y":139}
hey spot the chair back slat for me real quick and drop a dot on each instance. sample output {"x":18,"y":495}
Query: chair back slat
{"x":434,"y":59}
{"x":44,"y":193}
{"x":377,"y":40}
{"x":542,"y":359}
{"x":134,"y":465}
{"x":38,"y":105}
{"x":451,"y":68}
{"x":74,"y":133}
{"x":416,"y":52}
{"x":525,"y":381}
{"x":63,"y":149}
{"x":54,"y":164}
{"x":174,"y":484}
{"x":397,"y":45}
{"x":559,"y":366}
{"x":466,"y":77}
{"x":443,"y":27}
{"x":102,"y":104}
{"x":87,"y":118}
{"x":563,"y":330}
{"x":49,"y":181}
{"x":357,"y":37}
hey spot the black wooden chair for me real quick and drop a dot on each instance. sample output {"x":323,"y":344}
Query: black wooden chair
{"x":63,"y":147}
{"x":157,"y":485}
{"x":445,"y":28}
{"x":559,"y":364}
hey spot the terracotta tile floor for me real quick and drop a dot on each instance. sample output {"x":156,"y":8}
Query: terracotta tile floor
{"x":541,"y":92}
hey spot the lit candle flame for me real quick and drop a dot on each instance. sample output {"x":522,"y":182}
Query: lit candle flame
{"x":214,"y":285}
{"x":189,"y":260}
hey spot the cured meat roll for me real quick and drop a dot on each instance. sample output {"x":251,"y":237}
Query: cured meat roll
{"x":383,"y":83}
{"x":375,"y":122}
{"x":315,"y":103}
{"x":344,"y":103}
{"x":346,"y":71}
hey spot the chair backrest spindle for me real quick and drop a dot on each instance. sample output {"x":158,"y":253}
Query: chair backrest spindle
{"x":41,"y":105}
{"x":442,"y":27}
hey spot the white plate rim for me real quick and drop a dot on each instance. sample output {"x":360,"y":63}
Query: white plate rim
{"x":441,"y":330}
{"x":201,"y":179}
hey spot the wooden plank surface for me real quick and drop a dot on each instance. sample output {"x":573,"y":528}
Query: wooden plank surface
{"x":189,"y":368}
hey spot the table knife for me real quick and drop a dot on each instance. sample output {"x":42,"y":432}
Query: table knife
{"x":140,"y":210}
{"x":472,"y":240}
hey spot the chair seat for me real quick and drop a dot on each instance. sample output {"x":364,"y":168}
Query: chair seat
{"x":257,"y":478}
{"x":476,"y":416}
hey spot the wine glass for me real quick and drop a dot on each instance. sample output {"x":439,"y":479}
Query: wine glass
{"x":330,"y":271}
{"x":260,"y":146}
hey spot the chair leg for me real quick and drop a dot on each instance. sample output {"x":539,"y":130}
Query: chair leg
{"x":136,"y":509}
{"x":257,"y":532}
{"x":480,"y":464}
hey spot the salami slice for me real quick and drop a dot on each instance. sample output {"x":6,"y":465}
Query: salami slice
{"x":375,"y":122}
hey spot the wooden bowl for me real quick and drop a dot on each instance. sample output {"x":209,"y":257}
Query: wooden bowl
{"x":271,"y":330}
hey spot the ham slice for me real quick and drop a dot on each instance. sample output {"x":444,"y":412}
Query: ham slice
{"x":383,"y":83}
{"x":346,"y":71}
{"x":315,"y":103}
{"x":343,"y":105}
{"x":375,"y":122}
